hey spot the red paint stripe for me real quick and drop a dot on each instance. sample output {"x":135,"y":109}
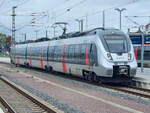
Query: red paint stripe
{"x":63,"y":60}
{"x":41,"y":61}
{"x":146,"y":44}
{"x":30,"y":61}
{"x":87,"y":59}
{"x":136,"y":53}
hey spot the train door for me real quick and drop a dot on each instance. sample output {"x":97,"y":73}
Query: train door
{"x":25,"y":62}
{"x":92,"y":56}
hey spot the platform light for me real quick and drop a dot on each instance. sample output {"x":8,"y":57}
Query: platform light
{"x":109,"y":56}
{"x":129,"y":56}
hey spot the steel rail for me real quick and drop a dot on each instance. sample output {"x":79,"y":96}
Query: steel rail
{"x":46,"y":108}
{"x":131,"y":92}
{"x":7,"y":106}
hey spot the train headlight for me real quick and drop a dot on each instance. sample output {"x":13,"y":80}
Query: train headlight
{"x":129,"y":56}
{"x":109,"y":56}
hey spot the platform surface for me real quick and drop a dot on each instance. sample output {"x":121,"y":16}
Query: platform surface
{"x":143,"y":76}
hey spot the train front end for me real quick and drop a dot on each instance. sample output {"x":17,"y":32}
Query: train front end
{"x":118,"y":59}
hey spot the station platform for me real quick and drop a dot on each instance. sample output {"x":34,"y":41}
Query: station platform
{"x":5,"y":59}
{"x":142,"y":79}
{"x":145,"y":75}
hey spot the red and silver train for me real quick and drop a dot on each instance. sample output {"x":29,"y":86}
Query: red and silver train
{"x":97,"y":54}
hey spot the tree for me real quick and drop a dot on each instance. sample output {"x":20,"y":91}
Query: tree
{"x":2,"y":40}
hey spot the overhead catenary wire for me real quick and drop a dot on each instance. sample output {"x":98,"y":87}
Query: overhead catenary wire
{"x":29,"y":23}
{"x":70,"y":8}
{"x":100,"y":11}
{"x":17,"y":5}
{"x":89,"y":14}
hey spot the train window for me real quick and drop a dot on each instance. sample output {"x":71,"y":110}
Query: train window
{"x":90,"y":53}
{"x":83,"y":53}
{"x":79,"y":53}
{"x":37,"y":51}
{"x":71,"y":51}
{"x":55,"y":53}
{"x":51,"y":53}
{"x":76,"y":54}
{"x":59,"y":53}
{"x":45,"y":53}
{"x":67,"y":54}
{"x":95,"y":61}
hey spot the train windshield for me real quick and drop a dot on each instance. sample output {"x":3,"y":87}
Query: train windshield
{"x":116,"y":43}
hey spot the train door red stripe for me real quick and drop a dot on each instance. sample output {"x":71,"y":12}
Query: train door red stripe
{"x":87,"y":59}
{"x":41,"y":61}
{"x":30,"y":61}
{"x":136,"y":53}
{"x":63,"y":58}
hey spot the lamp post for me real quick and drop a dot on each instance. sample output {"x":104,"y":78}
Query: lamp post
{"x":120,"y":11}
{"x":36,"y":33}
{"x":54,"y":27}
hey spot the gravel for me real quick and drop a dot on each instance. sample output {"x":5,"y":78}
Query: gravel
{"x":45,"y":97}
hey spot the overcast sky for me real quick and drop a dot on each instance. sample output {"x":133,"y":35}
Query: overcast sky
{"x":69,"y":11}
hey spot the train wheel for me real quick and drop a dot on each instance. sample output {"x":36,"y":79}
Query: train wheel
{"x":27,"y":65}
{"x":96,"y":78}
{"x":85,"y":76}
{"x":46,"y":69}
{"x":90,"y":77}
{"x":49,"y":69}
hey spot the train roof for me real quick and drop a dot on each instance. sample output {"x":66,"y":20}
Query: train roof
{"x":71,"y":35}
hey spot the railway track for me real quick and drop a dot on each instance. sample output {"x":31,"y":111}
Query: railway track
{"x":141,"y":92}
{"x":6,"y":107}
{"x":128,"y":89}
{"x":16,"y":100}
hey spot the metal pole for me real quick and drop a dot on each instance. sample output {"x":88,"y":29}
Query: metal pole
{"x":13,"y":32}
{"x":25,"y":37}
{"x":81,"y":25}
{"x":54,"y":30}
{"x":142,"y":53}
{"x":36,"y":33}
{"x":86,"y":21}
{"x":120,"y":11}
{"x":46,"y":34}
{"x":120,"y":20}
{"x":103,"y":19}
{"x":13,"y":26}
